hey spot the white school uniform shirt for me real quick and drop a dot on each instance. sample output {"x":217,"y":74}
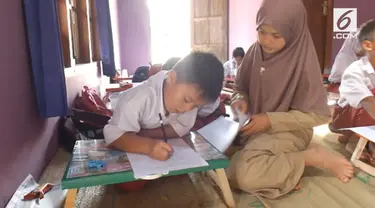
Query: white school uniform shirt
{"x":206,"y":110}
{"x":139,"y":107}
{"x":230,"y":68}
{"x":346,"y":56}
{"x":357,"y":82}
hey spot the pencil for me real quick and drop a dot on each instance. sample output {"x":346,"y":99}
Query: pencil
{"x":162,"y":128}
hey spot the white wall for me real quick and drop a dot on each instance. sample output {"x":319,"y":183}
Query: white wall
{"x":242,"y":23}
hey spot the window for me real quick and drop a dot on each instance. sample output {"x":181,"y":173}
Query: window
{"x":78,"y":30}
{"x":170,"y":29}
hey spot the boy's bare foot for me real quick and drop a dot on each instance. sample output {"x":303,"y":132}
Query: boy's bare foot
{"x":317,"y":156}
{"x":343,"y":139}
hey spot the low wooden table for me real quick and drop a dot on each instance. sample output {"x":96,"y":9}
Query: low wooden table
{"x":216,"y":160}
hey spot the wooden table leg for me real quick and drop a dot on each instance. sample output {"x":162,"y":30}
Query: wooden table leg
{"x":357,"y":154}
{"x":359,"y":149}
{"x":220,"y":178}
{"x":70,"y":199}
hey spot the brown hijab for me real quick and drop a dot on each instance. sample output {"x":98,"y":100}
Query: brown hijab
{"x":290,"y":79}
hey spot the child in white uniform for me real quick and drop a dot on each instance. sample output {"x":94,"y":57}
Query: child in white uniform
{"x":135,"y":126}
{"x":356,"y":106}
{"x":230,"y":67}
{"x":350,"y":51}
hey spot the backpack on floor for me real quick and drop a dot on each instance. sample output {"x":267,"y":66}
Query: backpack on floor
{"x":141,"y":74}
{"x":90,"y":101}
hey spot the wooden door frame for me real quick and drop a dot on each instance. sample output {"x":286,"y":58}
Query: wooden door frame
{"x":329,"y":36}
{"x":329,"y":33}
{"x":229,"y":54}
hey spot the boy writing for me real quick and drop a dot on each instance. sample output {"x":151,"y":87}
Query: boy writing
{"x":356,"y":106}
{"x":172,"y":96}
{"x":206,"y":113}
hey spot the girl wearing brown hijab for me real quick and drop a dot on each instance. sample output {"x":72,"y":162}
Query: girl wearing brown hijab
{"x":280,"y":85}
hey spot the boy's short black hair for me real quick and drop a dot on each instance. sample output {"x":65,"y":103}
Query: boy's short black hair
{"x":238,"y":52}
{"x":203,"y":69}
{"x":168,"y":65}
{"x":367,"y":31}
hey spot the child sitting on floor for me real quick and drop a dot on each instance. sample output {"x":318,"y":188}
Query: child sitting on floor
{"x":174,"y":95}
{"x":351,"y":51}
{"x":356,"y":106}
{"x":230,"y":67}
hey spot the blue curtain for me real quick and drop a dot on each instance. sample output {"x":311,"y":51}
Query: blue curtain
{"x":45,"y":49}
{"x":105,"y":37}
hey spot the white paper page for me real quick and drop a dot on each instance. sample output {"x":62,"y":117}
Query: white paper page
{"x":26,"y":186}
{"x":242,"y":118}
{"x":183,"y":157}
{"x":220,"y":133}
{"x":366,"y":131}
{"x":52,"y":199}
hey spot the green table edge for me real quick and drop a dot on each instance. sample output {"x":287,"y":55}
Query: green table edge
{"x":128,"y":176}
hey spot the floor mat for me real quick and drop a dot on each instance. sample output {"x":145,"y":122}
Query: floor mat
{"x":321,"y":189}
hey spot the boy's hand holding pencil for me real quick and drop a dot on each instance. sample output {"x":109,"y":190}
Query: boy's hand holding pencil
{"x":160,"y":150}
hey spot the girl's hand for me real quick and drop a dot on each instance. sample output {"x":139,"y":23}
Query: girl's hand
{"x":241,"y":105}
{"x":259,"y":123}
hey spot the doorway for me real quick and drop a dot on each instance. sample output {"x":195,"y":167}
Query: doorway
{"x":319,"y":17}
{"x":178,"y":27}
{"x":170,"y":29}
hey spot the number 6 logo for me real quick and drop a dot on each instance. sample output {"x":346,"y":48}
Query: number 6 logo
{"x":345,"y":19}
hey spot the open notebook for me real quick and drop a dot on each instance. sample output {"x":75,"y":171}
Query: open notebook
{"x":221,"y":132}
{"x":183,"y":157}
